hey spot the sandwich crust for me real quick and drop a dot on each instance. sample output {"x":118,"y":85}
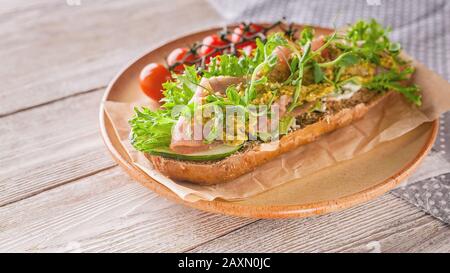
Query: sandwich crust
{"x":240,"y":163}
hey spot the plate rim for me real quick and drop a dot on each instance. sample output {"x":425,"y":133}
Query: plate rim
{"x":256,"y":211}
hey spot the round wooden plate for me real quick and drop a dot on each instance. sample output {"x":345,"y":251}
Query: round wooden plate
{"x":341,"y":186}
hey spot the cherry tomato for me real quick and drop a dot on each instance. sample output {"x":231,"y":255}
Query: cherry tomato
{"x":151,"y":79}
{"x":209,"y":44}
{"x":246,"y":47}
{"x":178,"y":56}
{"x":238,"y":32}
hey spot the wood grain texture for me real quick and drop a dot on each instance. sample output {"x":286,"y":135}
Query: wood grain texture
{"x":107,"y":212}
{"x":48,"y":146}
{"x":386,"y":224}
{"x":52,"y":50}
{"x":77,"y":50}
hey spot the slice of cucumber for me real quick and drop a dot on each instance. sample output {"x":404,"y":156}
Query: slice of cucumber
{"x":215,"y":153}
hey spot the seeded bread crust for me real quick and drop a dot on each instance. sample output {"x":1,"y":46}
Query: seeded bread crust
{"x":215,"y":172}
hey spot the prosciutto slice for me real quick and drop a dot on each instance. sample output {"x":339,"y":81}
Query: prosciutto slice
{"x":221,"y":83}
{"x":282,"y":104}
{"x":318,"y":43}
{"x":187,"y":136}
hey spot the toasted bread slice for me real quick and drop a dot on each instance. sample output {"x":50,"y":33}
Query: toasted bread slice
{"x":340,"y":114}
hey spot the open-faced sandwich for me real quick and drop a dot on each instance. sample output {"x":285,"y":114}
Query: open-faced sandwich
{"x":239,"y":99}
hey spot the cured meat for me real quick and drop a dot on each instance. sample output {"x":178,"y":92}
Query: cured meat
{"x":187,"y":135}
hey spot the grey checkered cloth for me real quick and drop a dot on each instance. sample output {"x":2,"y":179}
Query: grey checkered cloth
{"x":423,"y":28}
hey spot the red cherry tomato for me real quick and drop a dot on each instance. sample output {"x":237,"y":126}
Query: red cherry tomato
{"x":209,"y":44}
{"x":246,"y":48}
{"x":238,"y":32}
{"x":236,"y":35}
{"x":178,"y":56}
{"x":151,"y":79}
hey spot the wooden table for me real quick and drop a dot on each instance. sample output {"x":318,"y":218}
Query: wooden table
{"x":61,"y":191}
